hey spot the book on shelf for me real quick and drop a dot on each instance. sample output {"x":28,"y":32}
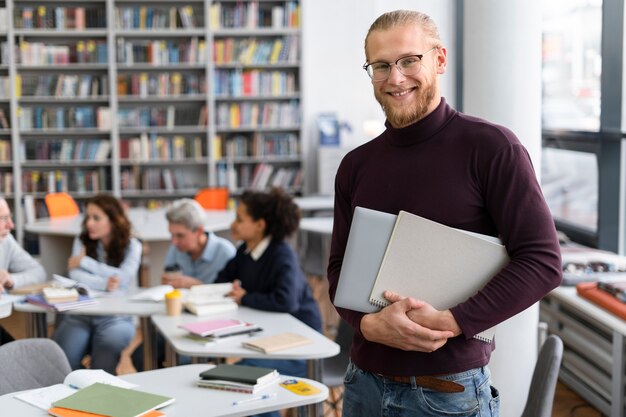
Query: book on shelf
{"x":277,"y":342}
{"x":239,"y":378}
{"x":44,"y":397}
{"x":113,"y":401}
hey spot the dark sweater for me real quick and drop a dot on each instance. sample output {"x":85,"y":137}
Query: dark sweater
{"x":274,"y":282}
{"x":466,"y":173}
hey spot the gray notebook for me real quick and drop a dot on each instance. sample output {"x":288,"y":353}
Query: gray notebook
{"x":369,"y":234}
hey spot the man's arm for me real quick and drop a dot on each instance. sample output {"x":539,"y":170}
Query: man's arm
{"x":22,"y":268}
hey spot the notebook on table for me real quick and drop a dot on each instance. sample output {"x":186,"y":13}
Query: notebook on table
{"x":436,"y":263}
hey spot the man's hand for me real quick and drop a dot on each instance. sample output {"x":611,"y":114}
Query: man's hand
{"x":427,"y":315}
{"x":237,"y":292}
{"x":6,"y":281}
{"x":392,"y":327}
{"x":178,"y":280}
{"x":113,"y":283}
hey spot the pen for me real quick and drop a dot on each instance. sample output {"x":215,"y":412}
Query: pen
{"x":260,"y":397}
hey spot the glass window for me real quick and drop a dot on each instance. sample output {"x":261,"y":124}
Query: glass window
{"x":570,"y":186}
{"x":571,"y":64}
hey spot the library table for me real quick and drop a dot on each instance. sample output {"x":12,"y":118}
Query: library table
{"x":6,"y":303}
{"x":57,"y":234}
{"x":192,"y":401}
{"x":108,"y":305}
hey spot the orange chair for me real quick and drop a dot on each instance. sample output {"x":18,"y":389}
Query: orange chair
{"x":213,"y":198}
{"x":61,"y":205}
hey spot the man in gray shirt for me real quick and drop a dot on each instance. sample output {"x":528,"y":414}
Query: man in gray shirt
{"x":17,"y":267}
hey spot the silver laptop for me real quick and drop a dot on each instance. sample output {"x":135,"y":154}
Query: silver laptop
{"x":369,"y":234}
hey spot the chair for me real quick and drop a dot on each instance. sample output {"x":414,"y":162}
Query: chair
{"x":545,"y":376}
{"x":213,"y":198}
{"x":31,"y":363}
{"x":334,"y":368}
{"x":61,"y":205}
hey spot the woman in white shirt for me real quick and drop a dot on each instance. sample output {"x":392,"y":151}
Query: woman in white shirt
{"x":105,"y":257}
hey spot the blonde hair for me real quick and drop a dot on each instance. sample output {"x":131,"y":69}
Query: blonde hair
{"x":398,"y":18}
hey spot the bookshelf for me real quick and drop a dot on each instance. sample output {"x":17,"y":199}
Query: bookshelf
{"x":148,"y":100}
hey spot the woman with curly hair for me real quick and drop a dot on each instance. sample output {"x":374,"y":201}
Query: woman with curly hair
{"x":265,"y":271}
{"x":105,"y":257}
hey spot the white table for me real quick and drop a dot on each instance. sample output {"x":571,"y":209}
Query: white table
{"x":191,"y":401}
{"x":6,"y":304}
{"x":321,"y":225}
{"x":315,"y":203}
{"x":177,"y":342}
{"x":56,"y":236}
{"x":113,"y":305}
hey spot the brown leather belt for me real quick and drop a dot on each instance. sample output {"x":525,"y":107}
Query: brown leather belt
{"x":430,"y":382}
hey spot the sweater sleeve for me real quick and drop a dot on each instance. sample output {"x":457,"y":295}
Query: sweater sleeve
{"x":23,"y":268}
{"x":285,"y":288}
{"x":96,"y":274}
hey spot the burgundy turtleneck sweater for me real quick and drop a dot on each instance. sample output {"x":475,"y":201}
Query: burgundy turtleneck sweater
{"x":463,"y":172}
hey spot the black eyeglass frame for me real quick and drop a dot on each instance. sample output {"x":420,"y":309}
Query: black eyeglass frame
{"x":367,"y":65}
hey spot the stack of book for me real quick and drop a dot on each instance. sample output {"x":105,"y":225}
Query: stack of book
{"x":60,"y":299}
{"x":208,"y":299}
{"x":239,"y":378}
{"x":212,"y":331}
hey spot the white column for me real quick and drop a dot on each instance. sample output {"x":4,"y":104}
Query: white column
{"x":502,"y":83}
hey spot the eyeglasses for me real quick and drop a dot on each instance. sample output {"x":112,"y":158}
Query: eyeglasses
{"x":407,"y":65}
{"x":6,"y":218}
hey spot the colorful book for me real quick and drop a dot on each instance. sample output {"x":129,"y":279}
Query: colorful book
{"x":113,"y":401}
{"x":274,"y":343}
{"x":213,"y":327}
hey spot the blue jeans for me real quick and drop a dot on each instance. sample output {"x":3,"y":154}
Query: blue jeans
{"x":103,"y":337}
{"x":368,"y":394}
{"x":283,"y":366}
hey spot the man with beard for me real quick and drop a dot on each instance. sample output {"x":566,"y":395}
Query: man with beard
{"x":409,"y":359}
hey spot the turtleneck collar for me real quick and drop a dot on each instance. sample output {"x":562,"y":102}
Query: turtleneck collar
{"x":422,"y":129}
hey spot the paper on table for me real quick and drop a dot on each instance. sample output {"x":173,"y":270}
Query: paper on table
{"x":80,"y":378}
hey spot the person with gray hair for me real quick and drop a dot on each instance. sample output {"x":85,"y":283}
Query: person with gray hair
{"x":17,"y":267}
{"x":195,"y":256}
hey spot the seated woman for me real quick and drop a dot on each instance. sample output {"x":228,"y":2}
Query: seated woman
{"x":265,"y":271}
{"x":106,"y":258}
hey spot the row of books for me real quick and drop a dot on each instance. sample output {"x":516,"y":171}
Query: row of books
{"x":156,"y":147}
{"x":161,"y":84}
{"x":135,"y":179}
{"x":5,"y":151}
{"x":149,"y":17}
{"x":73,"y":180}
{"x":161,"y":116}
{"x":161,"y":52}
{"x":236,"y":83}
{"x":97,"y":150}
{"x":62,"y":85}
{"x":80,"y":52}
{"x":57,"y":17}
{"x":250,"y":51}
{"x":6,"y":183}
{"x":254,"y":14}
{"x":259,"y":177}
{"x":260,"y":144}
{"x":5,"y":86}
{"x":268,"y":114}
{"x":39,"y":117}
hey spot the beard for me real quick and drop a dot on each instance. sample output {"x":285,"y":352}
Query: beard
{"x":403,"y":116}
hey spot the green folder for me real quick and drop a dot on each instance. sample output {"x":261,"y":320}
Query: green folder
{"x":112,"y":401}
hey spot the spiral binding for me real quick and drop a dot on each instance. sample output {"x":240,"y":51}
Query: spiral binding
{"x":379,"y":303}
